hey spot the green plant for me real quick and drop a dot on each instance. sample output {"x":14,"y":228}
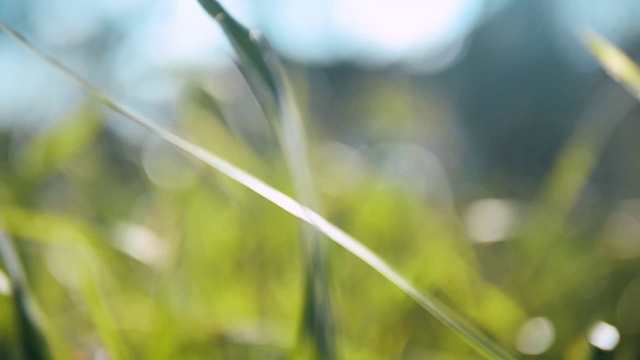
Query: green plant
{"x":184,"y":305}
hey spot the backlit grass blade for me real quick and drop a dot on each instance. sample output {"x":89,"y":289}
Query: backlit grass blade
{"x":437,"y":309}
{"x":617,"y":64}
{"x":266,"y":77}
{"x":246,"y":44}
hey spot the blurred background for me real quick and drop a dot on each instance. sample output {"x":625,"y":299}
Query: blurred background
{"x":475,"y":144}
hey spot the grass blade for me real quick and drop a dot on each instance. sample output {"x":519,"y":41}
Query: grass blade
{"x":615,"y":62}
{"x":266,"y":77}
{"x":248,"y":48}
{"x":440,"y":311}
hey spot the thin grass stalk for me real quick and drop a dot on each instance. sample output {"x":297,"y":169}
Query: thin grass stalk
{"x":437,"y":309}
{"x":267,"y":80}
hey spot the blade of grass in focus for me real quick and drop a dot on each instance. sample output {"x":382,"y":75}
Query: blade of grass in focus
{"x":440,"y":311}
{"x":266,"y":77}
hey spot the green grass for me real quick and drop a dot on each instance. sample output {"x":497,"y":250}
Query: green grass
{"x":241,"y":278}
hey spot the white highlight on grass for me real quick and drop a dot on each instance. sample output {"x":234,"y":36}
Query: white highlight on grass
{"x":604,"y":336}
{"x":535,"y":336}
{"x":489,"y":220}
{"x":5,"y":284}
{"x":141,"y":244}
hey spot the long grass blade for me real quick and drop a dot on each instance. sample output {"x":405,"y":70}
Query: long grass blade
{"x":248,"y":47}
{"x":440,"y":311}
{"x":266,"y":77}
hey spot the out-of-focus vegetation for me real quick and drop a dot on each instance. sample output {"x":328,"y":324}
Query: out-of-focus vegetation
{"x":132,"y":250}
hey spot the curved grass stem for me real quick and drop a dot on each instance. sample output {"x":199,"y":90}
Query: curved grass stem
{"x":440,"y":311}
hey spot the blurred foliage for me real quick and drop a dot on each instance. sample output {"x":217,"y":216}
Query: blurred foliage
{"x":132,"y":254}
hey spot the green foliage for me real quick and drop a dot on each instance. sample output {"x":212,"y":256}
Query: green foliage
{"x":30,"y":343}
{"x":53,"y":148}
{"x":209,"y":270}
{"x":267,"y":80}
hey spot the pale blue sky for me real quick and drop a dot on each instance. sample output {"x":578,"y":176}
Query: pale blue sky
{"x":152,"y":35}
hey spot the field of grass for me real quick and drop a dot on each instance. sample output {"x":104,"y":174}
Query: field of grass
{"x":182,"y":248}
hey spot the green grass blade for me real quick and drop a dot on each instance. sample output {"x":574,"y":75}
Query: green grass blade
{"x":266,"y":77}
{"x":437,"y":309}
{"x":617,"y":64}
{"x":246,"y":44}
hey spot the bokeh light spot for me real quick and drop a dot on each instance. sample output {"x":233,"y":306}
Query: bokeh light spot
{"x":536,"y":336}
{"x":489,"y":220}
{"x":604,"y":336}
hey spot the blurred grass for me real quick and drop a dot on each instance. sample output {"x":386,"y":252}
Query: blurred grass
{"x":31,"y":343}
{"x":268,"y":82}
{"x":438,"y":309}
{"x":124,"y":266}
